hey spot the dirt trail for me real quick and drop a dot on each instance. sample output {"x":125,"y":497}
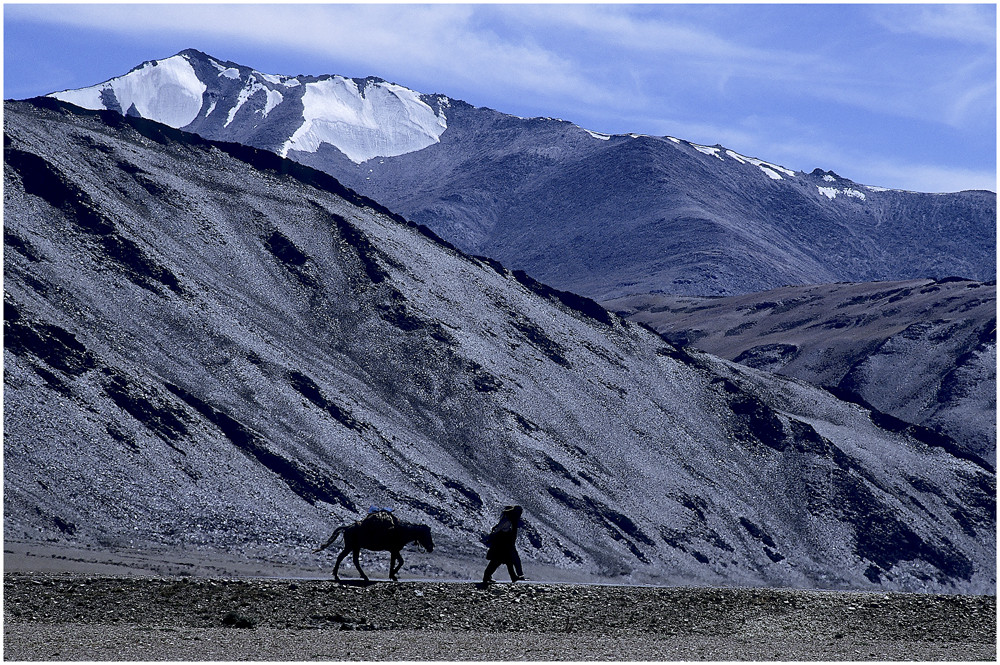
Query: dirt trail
{"x":86,"y":617}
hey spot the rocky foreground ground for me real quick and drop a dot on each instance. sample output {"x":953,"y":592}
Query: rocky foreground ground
{"x":63,"y":616}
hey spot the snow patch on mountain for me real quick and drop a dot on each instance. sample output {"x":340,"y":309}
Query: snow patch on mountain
{"x":768,"y":166}
{"x":379,"y":120}
{"x":273,"y":99}
{"x":598,"y":135}
{"x":708,"y":150}
{"x":228,"y":72}
{"x":772,"y":171}
{"x":252,"y":87}
{"x":166,"y":91}
{"x":275,"y":79}
{"x":244,"y":95}
{"x":735,"y":155}
{"x":831,"y":192}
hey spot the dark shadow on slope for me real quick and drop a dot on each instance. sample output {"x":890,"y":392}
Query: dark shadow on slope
{"x":307,"y":483}
{"x":21,"y":246}
{"x":56,"y":347}
{"x":851,"y":495}
{"x":163,"y":419}
{"x":883,"y":539}
{"x":616,"y":524}
{"x":537,"y":337}
{"x":290,"y":256}
{"x":363,"y":247}
{"x":755,"y":419}
{"x":577,"y":303}
{"x":919,"y":432}
{"x":42,"y":179}
{"x":308,"y":389}
{"x":464,"y":494}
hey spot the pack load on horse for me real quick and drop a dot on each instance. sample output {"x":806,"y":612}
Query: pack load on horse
{"x":379,"y":531}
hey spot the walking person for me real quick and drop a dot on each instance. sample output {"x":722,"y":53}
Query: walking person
{"x":502,"y":550}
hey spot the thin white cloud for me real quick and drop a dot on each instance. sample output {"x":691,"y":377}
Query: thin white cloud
{"x":394,"y":39}
{"x":684,"y":56}
{"x":699,"y":49}
{"x":975,"y":24}
{"x":974,"y":101}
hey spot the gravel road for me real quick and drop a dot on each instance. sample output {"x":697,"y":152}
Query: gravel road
{"x":87,"y":617}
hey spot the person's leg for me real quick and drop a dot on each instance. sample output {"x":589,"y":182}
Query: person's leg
{"x":516,"y":560}
{"x":490,"y":569}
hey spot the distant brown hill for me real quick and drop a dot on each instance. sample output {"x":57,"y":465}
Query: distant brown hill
{"x":923,"y":351}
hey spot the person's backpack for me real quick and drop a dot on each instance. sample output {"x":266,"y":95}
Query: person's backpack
{"x":503,"y":526}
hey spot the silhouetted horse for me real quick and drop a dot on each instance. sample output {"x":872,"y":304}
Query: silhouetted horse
{"x":379,"y":533}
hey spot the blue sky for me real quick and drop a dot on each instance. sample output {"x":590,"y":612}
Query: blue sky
{"x":900,"y":96}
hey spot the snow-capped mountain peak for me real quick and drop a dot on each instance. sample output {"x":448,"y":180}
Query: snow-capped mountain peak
{"x":526,"y":191}
{"x":168,"y":91}
{"x":191,"y":90}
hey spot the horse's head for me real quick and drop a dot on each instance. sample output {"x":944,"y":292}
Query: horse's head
{"x":424,"y":537}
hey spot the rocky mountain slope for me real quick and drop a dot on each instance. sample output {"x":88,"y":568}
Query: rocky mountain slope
{"x":923,"y":351}
{"x":209,"y":348}
{"x":603,"y":216}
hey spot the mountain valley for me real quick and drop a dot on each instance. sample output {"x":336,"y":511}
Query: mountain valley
{"x":211,"y":348}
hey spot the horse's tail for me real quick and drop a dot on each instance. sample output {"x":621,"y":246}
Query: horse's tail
{"x":336,"y":532}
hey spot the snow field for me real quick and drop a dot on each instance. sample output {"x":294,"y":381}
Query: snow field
{"x":383,"y":120}
{"x":166,"y":91}
{"x":831,"y":192}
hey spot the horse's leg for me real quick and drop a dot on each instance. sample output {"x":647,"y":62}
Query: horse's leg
{"x":336,"y":568}
{"x":395,"y":564}
{"x":357,"y":563}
